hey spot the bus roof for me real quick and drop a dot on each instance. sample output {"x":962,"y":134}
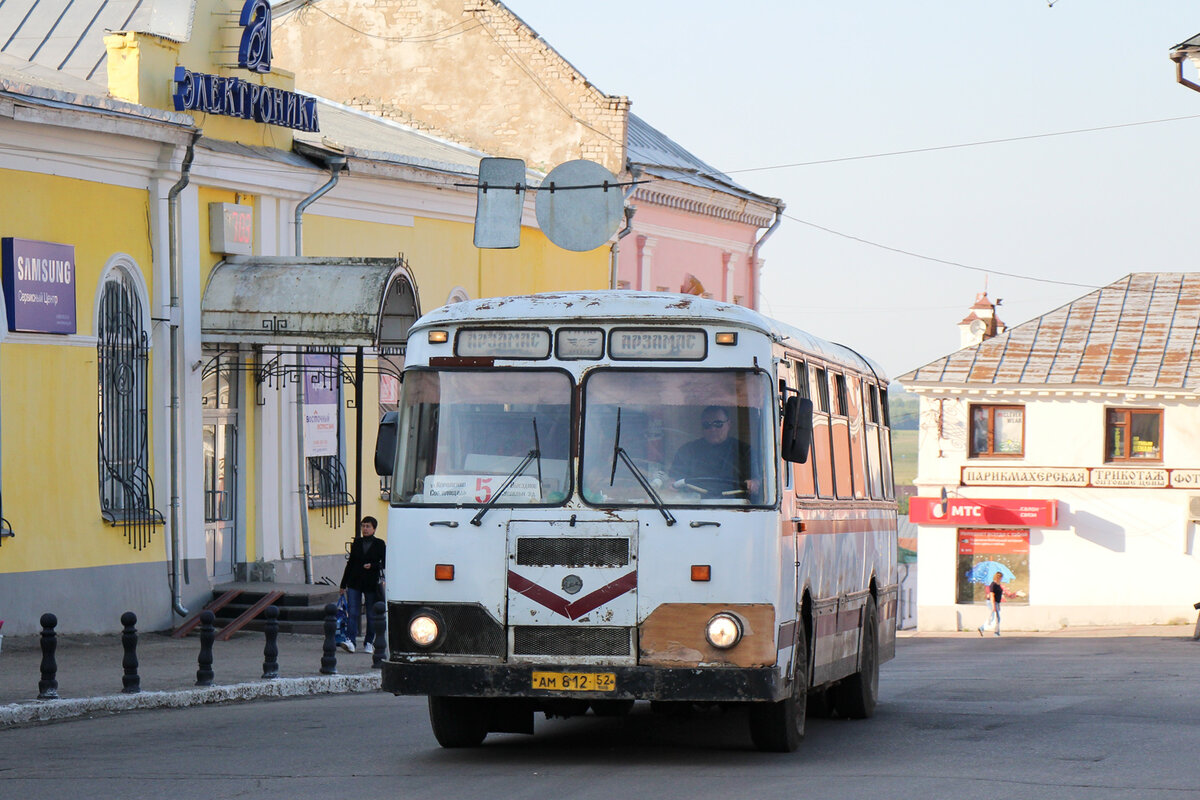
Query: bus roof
{"x":647,"y":308}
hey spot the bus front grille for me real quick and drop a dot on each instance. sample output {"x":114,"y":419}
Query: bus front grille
{"x":557,"y":640}
{"x":553,"y":551}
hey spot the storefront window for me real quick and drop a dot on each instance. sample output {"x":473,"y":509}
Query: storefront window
{"x":997,"y":431}
{"x":983,"y":553}
{"x":1133,"y":435}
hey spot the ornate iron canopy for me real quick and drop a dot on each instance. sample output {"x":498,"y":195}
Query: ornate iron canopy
{"x":279,"y":300}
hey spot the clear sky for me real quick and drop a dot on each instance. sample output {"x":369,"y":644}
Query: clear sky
{"x":764,"y":83}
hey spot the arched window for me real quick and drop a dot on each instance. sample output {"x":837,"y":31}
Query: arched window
{"x":126,"y":491}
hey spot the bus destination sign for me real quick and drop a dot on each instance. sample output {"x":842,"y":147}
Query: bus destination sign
{"x":503,"y":343}
{"x":658,"y":344}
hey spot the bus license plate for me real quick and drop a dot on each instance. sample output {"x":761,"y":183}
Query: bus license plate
{"x":575,"y":681}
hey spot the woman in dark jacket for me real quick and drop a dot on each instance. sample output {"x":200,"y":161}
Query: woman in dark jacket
{"x":360,"y":583}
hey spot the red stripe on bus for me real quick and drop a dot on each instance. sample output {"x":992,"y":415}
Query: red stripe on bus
{"x":560,"y":605}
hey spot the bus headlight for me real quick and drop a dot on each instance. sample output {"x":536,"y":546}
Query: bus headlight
{"x":425,"y":628}
{"x":724,"y":631}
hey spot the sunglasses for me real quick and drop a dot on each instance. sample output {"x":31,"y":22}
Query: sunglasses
{"x":716,"y":423}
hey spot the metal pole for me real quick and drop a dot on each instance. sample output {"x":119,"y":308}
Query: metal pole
{"x":358,"y":434}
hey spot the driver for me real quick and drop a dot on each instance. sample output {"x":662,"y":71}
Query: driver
{"x":716,"y":462}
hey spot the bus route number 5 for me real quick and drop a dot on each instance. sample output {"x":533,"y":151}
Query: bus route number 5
{"x":483,"y":490}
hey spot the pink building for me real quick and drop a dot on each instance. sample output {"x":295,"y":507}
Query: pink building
{"x":695,"y":230}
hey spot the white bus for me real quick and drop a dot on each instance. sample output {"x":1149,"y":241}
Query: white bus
{"x":605,"y":497}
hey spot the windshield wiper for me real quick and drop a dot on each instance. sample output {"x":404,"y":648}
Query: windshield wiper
{"x":619,"y":452}
{"x":535,"y":453}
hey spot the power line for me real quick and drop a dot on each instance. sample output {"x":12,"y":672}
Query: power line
{"x":437,"y":36}
{"x":936,"y":260}
{"x":963,"y":145}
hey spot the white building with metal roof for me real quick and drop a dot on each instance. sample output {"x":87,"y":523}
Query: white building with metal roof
{"x":1064,"y":452}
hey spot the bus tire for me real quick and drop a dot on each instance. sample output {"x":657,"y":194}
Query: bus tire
{"x":457,"y":721}
{"x":779,"y":727}
{"x":856,"y":696}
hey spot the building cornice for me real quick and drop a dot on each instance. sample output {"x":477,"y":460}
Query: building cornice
{"x":708,"y":202}
{"x":1124,"y":394}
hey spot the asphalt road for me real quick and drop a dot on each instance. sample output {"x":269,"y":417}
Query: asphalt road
{"x":959,"y":717}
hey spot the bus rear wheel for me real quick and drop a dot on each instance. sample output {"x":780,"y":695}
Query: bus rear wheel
{"x":458,"y":721}
{"x":856,"y":696}
{"x":779,"y":727}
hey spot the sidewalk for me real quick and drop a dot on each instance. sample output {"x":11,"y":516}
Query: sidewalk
{"x":90,"y":671}
{"x":1080,"y":632}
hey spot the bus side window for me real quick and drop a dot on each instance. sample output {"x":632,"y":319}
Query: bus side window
{"x":858,"y":446}
{"x":821,"y":446}
{"x":885,"y":447}
{"x":839,"y":424}
{"x":804,"y":475}
{"x":874,"y":466}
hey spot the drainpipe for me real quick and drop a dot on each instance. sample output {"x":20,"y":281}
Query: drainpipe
{"x":175,"y":278}
{"x":1178,"y":57}
{"x":779,"y":207}
{"x":336,"y":164}
{"x":635,"y":172}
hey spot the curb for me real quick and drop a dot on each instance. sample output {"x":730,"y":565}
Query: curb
{"x":53,"y":710}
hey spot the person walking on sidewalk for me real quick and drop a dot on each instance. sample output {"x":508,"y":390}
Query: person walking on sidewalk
{"x":361,"y":583}
{"x":995,"y":593}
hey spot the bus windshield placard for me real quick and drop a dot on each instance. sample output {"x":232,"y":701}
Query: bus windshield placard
{"x":658,"y":344}
{"x":503,"y":342}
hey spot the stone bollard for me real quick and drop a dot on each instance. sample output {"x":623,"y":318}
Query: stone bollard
{"x":204,"y":675}
{"x":48,"y":685}
{"x":130,"y":682}
{"x":379,"y":610}
{"x":329,"y":648}
{"x":271,"y":648}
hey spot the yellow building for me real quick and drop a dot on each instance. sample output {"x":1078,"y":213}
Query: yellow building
{"x":150,"y":440}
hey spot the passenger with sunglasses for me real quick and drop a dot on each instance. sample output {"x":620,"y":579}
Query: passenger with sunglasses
{"x":717,"y":464}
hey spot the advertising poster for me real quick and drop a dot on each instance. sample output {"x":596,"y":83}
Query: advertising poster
{"x":322,"y":378}
{"x":983,"y":553}
{"x":39,"y":285}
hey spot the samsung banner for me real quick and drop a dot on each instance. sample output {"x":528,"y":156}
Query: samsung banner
{"x":39,"y":285}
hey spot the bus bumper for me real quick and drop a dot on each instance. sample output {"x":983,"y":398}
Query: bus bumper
{"x":698,"y":685}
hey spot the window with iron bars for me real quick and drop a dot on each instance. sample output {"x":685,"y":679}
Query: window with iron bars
{"x":327,"y":483}
{"x":123,"y":352}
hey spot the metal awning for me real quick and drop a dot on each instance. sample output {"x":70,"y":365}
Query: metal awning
{"x":281,"y":300}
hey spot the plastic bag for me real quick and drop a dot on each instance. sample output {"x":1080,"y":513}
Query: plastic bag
{"x":342,"y":617}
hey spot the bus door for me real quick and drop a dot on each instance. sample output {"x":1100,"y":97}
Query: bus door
{"x":572,"y":590}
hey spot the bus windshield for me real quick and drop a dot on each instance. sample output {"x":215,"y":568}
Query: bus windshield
{"x":464,"y":434}
{"x":698,"y":437}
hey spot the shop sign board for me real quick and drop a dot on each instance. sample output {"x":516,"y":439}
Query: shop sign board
{"x":1120,"y":478}
{"x":231,"y":229}
{"x":1094,"y":477}
{"x":1025,"y":476}
{"x":971,"y":511}
{"x":1185,"y":479}
{"x":234,"y":97}
{"x":39,"y":285}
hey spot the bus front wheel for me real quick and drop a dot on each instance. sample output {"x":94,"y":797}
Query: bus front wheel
{"x":457,"y":721}
{"x":779,"y":727}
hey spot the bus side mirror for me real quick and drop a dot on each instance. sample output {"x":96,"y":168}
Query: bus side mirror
{"x":797,"y":429}
{"x":385,"y":444}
